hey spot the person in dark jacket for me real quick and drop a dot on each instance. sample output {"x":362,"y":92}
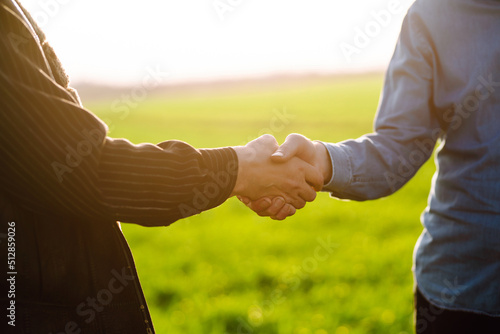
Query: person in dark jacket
{"x":65,"y":185}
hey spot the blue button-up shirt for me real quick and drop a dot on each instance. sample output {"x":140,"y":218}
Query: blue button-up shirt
{"x":442,"y":85}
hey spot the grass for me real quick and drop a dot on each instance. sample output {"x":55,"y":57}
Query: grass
{"x":229,"y":271}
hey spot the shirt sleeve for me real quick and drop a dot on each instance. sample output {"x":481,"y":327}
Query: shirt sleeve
{"x":405,"y":128}
{"x":57,"y":159}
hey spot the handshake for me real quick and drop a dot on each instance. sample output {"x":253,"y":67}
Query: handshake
{"x":276,"y":180}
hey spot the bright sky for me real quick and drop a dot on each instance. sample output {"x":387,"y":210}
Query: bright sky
{"x":116,"y":41}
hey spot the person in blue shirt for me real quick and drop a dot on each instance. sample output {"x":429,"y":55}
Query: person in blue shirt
{"x":442,"y":86}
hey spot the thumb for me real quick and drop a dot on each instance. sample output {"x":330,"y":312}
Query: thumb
{"x":282,"y":154}
{"x":293,"y":146}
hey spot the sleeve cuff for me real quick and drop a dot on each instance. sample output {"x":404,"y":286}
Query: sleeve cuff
{"x":222,"y":164}
{"x":341,"y":168}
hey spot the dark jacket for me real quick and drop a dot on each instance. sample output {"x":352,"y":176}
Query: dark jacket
{"x":63,"y":187}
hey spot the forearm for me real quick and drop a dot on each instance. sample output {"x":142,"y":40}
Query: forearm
{"x":158,"y":184}
{"x":375,"y":165}
{"x":407,"y":124}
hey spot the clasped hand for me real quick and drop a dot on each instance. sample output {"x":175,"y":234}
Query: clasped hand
{"x":277,"y":180}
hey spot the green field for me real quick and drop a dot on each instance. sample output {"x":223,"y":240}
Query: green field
{"x":230,"y":271}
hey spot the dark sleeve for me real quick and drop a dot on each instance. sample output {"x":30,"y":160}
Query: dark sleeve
{"x":56,"y":157}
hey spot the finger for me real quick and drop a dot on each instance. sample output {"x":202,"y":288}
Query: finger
{"x":260,"y":205}
{"x":288,"y":149}
{"x":294,"y":145}
{"x":308,"y":194}
{"x":244,"y":200}
{"x":287,"y":211}
{"x":278,"y":204}
{"x":291,"y":210}
{"x":301,"y":194}
{"x":299,"y":201}
{"x":314,"y":177}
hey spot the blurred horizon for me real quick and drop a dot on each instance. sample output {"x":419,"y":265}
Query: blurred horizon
{"x":93,"y":91}
{"x":120,"y":43}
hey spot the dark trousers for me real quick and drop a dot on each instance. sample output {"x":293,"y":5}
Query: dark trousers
{"x":434,"y":320}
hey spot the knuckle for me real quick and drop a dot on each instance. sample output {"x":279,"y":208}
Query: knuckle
{"x":272,"y":211}
{"x":296,"y":137}
{"x":299,"y":204}
{"x":268,"y":138}
{"x":312,"y":196}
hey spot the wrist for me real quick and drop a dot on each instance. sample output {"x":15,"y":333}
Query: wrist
{"x":244,"y":156}
{"x":324,"y":161}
